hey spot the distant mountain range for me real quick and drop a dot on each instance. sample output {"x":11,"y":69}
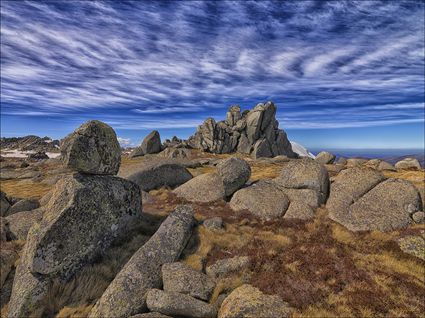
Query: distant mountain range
{"x":29,"y":143}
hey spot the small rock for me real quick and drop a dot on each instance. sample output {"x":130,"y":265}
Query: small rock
{"x":325,"y":157}
{"x":408,"y":163}
{"x":92,"y":148}
{"x":175,"y":304}
{"x":215,"y":223}
{"x":181,"y":278}
{"x":248,"y":301}
{"x":226,"y":266}
{"x":418,"y":217}
{"x":235,"y":173}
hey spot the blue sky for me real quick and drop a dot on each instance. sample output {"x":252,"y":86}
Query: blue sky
{"x":344,"y":74}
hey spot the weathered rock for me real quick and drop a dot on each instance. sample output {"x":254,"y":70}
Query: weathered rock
{"x":175,"y":304}
{"x":207,"y":187}
{"x":419,"y":217}
{"x":233,"y":115}
{"x":215,"y":223}
{"x":23,"y":205}
{"x":150,"y":315}
{"x":263,"y":199}
{"x":383,"y":165}
{"x":8,"y":256}
{"x":150,"y":145}
{"x":94,"y":209}
{"x":235,"y":173}
{"x":146,"y":197}
{"x":262,"y":149}
{"x":325,"y":157}
{"x":248,"y":301}
{"x":226,"y":266}
{"x":46,"y":198}
{"x":160,"y":174}
{"x":92,"y":148}
{"x":341,"y":161}
{"x":4,"y":204}
{"x":299,"y":210}
{"x":18,"y":224}
{"x":305,"y":174}
{"x":408,"y":163}
{"x":373,"y":163}
{"x":172,"y":152}
{"x":413,"y":244}
{"x":360,"y":200}
{"x":3,"y":229}
{"x":40,"y":155}
{"x":355,"y":162}
{"x":126,"y":295}
{"x":181,"y":278}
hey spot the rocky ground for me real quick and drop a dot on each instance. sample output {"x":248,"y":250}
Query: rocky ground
{"x":191,"y":228}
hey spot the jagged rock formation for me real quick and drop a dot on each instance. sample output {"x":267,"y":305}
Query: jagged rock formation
{"x":30,"y":143}
{"x":253,"y":132}
{"x":151,"y":144}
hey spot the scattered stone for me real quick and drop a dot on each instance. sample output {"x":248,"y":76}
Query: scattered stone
{"x":40,"y":155}
{"x":73,"y":224}
{"x":175,"y":304}
{"x":150,"y":145}
{"x":215,"y":223}
{"x":325,"y":157}
{"x":235,"y":173}
{"x":408,"y":163}
{"x":157,"y":175}
{"x":419,"y":217}
{"x":248,"y":301}
{"x":413,"y":245}
{"x":181,"y":278}
{"x":125,"y":296}
{"x":263,"y":199}
{"x":383,"y":165}
{"x":23,"y":205}
{"x":226,"y":266}
{"x":19,"y":224}
{"x":92,"y":148}
{"x":207,"y":187}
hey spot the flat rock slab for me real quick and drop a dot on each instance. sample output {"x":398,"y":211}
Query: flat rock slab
{"x":181,"y":278}
{"x":126,"y":295}
{"x":175,"y":304}
{"x":248,"y":301}
{"x":157,"y":175}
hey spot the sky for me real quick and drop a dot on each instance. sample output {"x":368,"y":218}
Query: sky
{"x":343,"y":74}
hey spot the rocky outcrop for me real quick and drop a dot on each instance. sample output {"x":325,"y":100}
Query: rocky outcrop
{"x":126,"y":295}
{"x":150,"y":145}
{"x":181,"y":278}
{"x":29,"y":143}
{"x":92,"y":148}
{"x":361,"y":200}
{"x":408,"y":163}
{"x":235,"y":173}
{"x":325,"y":157}
{"x":160,"y":174}
{"x":181,"y":305}
{"x":256,"y":131}
{"x":383,"y":165}
{"x":248,"y":301}
{"x":179,"y":153}
{"x":40,"y":155}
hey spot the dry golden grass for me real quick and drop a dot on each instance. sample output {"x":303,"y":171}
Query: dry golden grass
{"x":24,"y":188}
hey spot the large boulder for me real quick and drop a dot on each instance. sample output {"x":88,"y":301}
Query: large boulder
{"x":408,"y":163}
{"x":263,"y":199}
{"x":181,"y":305}
{"x":19,"y":224}
{"x":361,"y":200}
{"x":160,"y":174}
{"x":85,"y":214}
{"x":23,"y":205}
{"x":126,"y":295}
{"x":181,"y":278}
{"x":248,"y":301}
{"x":208,"y":187}
{"x":325,"y":157}
{"x":235,"y":173}
{"x":92,"y":148}
{"x":150,"y":145}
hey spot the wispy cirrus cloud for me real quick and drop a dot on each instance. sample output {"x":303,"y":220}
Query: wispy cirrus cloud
{"x":171,"y":64}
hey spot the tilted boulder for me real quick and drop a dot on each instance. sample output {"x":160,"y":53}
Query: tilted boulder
{"x":181,"y":278}
{"x":92,"y":148}
{"x":256,"y":131}
{"x":325,"y":157}
{"x":248,"y":301}
{"x":408,"y":163}
{"x":235,"y":173}
{"x":160,"y":174}
{"x":362,"y":200}
{"x":85,"y":214}
{"x":206,"y":187}
{"x":181,"y":305}
{"x":150,"y":145}
{"x":126,"y":295}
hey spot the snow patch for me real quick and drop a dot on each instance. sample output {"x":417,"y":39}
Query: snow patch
{"x":301,"y":150}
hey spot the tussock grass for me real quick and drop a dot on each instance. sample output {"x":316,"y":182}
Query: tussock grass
{"x":24,"y":188}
